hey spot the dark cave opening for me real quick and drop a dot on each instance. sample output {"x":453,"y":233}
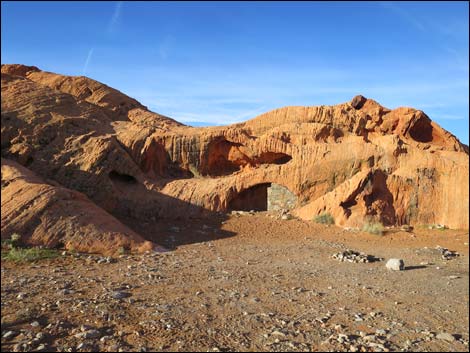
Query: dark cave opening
{"x":273,"y":158}
{"x":421,"y":130}
{"x":254,"y":198}
{"x":122,"y":178}
{"x":224,"y":158}
{"x":263,"y":197}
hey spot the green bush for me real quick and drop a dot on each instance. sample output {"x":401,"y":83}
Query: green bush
{"x":373,"y":228}
{"x":29,"y":254}
{"x":324,"y":218}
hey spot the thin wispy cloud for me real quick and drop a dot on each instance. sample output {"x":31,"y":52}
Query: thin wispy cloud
{"x":207,"y":118}
{"x":217,"y":102}
{"x":87,"y":61}
{"x":217,"y":116}
{"x":450,"y":117}
{"x":461,"y":59}
{"x":441,"y":32}
{"x":111,"y":26}
{"x":220,"y":64}
{"x":115,"y":18}
{"x":250,"y":114}
{"x":407,"y":16}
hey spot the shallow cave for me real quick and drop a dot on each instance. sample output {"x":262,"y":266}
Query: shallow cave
{"x":273,"y":158}
{"x":220,"y":166}
{"x":224,"y":158}
{"x":122,"y":178}
{"x":421,"y":130}
{"x":154,"y":160}
{"x":379,"y":201}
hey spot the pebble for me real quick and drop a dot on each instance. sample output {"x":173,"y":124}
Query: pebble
{"x":120,"y":295}
{"x":445,"y":337}
{"x":358,"y":317}
{"x":9,"y":334}
{"x":88,"y":334}
{"x":369,"y":338}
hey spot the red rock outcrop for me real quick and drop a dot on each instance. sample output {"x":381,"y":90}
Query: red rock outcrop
{"x":355,"y":160}
{"x":53,"y":216}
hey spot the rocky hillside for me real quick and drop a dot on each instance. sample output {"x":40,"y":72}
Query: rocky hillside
{"x":357,"y":161}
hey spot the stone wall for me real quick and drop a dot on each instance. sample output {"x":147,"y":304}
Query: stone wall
{"x":280,"y":198}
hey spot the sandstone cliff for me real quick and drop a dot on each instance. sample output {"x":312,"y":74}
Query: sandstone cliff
{"x":354,"y":160}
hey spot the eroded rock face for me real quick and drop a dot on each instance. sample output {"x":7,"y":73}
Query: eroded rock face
{"x":53,"y":216}
{"x":354,"y":160}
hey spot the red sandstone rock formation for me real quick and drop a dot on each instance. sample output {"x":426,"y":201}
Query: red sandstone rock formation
{"x":49,"y":215}
{"x":353,"y":160}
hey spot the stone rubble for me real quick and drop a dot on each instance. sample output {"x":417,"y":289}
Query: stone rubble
{"x":447,"y":254}
{"x":354,"y":256}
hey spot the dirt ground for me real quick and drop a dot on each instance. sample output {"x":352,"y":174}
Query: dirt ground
{"x":244,"y":283}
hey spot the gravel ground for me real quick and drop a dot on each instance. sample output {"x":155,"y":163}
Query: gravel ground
{"x":245,"y":283}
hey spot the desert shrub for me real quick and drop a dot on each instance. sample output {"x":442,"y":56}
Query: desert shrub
{"x":437,"y":226}
{"x":373,"y":227}
{"x":324,"y":218}
{"x":13,"y":242}
{"x":29,"y":254}
{"x":15,"y":238}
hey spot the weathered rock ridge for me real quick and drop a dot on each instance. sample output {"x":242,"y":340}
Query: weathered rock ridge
{"x":355,"y":160}
{"x":55,"y":216}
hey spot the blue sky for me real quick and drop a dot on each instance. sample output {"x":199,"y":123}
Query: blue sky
{"x":218,"y":63}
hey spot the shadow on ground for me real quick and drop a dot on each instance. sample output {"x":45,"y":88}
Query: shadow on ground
{"x":408,"y":268}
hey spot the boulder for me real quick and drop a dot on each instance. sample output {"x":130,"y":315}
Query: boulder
{"x":395,"y":265}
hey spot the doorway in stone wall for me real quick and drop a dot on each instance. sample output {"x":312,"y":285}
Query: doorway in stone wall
{"x":263,"y":197}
